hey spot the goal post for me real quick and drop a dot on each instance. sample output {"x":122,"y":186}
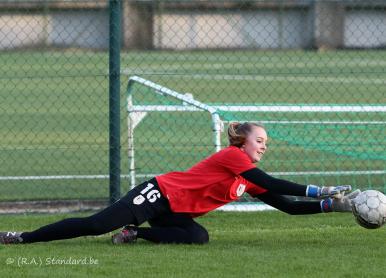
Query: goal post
{"x":137,"y":112}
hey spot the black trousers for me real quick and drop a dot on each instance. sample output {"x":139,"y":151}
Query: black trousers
{"x":143,"y":203}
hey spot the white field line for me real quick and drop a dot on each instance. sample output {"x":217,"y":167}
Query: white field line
{"x":266,"y":78}
{"x":263,"y":108}
{"x":303,"y":108}
{"x":288,"y":78}
{"x":90,"y":177}
{"x":267,"y":60}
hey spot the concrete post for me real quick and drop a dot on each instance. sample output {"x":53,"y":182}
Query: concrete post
{"x":328,"y":24}
{"x":137,"y":25}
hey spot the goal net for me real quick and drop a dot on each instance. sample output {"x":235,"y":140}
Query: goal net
{"x":311,"y":143}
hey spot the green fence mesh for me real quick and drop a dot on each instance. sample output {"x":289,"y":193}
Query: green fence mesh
{"x":264,"y":61}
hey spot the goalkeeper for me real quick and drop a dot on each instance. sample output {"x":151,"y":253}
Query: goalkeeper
{"x":171,"y":201}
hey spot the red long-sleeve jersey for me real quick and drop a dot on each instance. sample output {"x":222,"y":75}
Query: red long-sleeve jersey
{"x":211,"y":183}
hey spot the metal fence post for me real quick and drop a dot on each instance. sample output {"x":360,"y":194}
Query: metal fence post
{"x":114,"y":99}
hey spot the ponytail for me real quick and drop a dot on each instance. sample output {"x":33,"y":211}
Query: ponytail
{"x":238,"y":132}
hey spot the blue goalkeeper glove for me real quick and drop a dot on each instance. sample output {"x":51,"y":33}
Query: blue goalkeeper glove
{"x":336,"y":192}
{"x":339,"y":205}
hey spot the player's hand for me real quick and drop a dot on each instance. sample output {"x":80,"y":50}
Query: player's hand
{"x":345,"y":203}
{"x":336,"y":192}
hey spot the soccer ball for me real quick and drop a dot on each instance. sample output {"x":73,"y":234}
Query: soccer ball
{"x":369,"y":209}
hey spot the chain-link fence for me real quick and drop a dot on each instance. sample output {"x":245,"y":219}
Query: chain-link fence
{"x":312,"y":71}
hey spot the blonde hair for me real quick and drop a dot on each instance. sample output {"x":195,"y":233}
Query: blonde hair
{"x":238,"y":132}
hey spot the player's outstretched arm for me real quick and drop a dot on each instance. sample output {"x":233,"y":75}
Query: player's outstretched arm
{"x":284,"y":187}
{"x":297,"y":207}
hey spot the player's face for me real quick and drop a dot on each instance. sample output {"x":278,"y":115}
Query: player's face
{"x":256,"y":143}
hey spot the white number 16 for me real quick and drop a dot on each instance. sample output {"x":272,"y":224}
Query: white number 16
{"x":151,"y":195}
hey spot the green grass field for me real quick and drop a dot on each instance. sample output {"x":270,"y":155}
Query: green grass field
{"x":258,"y":244}
{"x":55,"y":114}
